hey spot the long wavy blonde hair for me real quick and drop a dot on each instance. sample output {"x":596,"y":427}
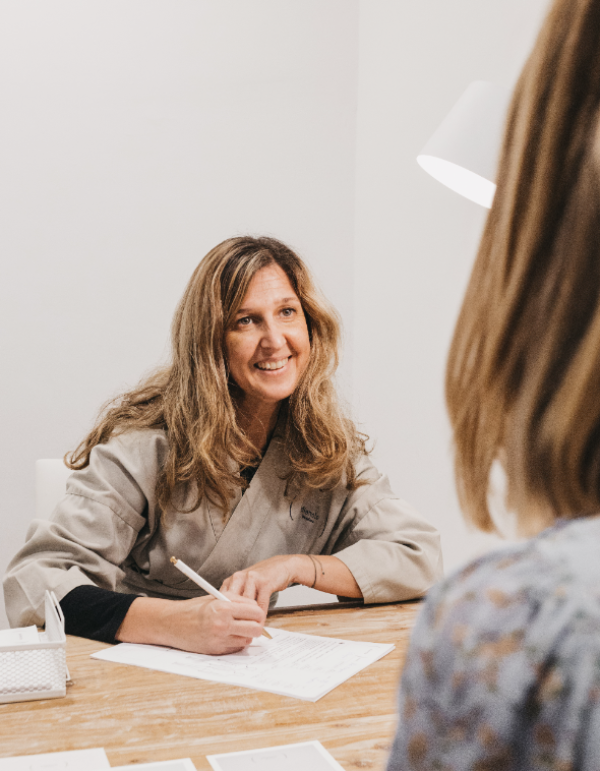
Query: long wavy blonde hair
{"x":523,"y":376}
{"x":192,"y":397}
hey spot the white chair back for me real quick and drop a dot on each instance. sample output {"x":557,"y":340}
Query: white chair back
{"x":50,"y":485}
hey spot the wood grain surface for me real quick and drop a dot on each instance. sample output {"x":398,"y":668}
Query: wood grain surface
{"x":139,"y":715}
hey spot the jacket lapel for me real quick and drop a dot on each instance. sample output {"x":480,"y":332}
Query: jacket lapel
{"x":249,"y":514}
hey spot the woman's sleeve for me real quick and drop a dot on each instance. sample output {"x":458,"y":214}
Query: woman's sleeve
{"x":392,"y":552}
{"x":95,"y":613}
{"x":92,"y":530}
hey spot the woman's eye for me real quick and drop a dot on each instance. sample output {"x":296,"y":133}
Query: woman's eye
{"x":288,"y":312}
{"x":244,"y":321}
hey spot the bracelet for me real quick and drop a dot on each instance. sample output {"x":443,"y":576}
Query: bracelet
{"x":320,"y":565}
{"x":314,"y":562}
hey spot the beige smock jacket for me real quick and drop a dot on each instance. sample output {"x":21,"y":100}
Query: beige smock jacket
{"x":107,"y":531}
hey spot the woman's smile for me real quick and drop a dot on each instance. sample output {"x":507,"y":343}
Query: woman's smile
{"x":270,"y":366}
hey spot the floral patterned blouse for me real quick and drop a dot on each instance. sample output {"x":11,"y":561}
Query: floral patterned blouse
{"x":503,"y":670}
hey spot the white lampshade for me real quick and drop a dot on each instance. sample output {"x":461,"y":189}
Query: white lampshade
{"x":463,"y":153}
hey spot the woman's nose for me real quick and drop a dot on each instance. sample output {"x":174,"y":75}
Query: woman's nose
{"x":272,"y":337}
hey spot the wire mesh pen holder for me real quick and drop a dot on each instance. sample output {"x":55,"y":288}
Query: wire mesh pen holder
{"x":36,"y":670}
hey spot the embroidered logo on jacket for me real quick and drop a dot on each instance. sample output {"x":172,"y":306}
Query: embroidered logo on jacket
{"x":309,"y":516}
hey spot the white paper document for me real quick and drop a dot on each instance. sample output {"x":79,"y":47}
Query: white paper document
{"x":287,"y":757}
{"x":183,"y":764}
{"x":23,"y":635}
{"x":291,"y":664}
{"x":76,"y":760}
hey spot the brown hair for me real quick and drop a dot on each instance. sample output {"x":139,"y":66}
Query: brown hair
{"x":523,"y":376}
{"x":192,"y":399}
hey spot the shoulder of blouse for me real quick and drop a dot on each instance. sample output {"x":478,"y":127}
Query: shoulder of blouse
{"x":529,"y":592}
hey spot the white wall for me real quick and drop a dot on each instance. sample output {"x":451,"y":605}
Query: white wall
{"x":415,"y":239}
{"x":135,"y":136}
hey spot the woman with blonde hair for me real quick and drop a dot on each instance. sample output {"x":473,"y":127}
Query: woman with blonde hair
{"x":503,"y":670}
{"x":238,"y":460}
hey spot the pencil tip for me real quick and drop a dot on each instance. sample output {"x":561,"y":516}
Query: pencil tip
{"x":173,"y":560}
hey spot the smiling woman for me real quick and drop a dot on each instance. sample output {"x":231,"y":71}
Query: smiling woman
{"x":238,"y":459}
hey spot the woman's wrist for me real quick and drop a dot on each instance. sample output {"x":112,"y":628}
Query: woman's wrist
{"x":326,"y":573}
{"x":148,"y":620}
{"x":308,"y":570}
{"x":302,"y":570}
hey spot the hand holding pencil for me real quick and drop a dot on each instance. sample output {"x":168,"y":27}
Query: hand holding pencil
{"x":203,"y":584}
{"x":199,"y":625}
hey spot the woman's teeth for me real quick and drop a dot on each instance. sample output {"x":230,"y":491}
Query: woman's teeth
{"x":272,"y":364}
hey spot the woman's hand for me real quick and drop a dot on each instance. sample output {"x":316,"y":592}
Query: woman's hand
{"x":324,"y":572}
{"x":259,"y":581}
{"x":200,"y":625}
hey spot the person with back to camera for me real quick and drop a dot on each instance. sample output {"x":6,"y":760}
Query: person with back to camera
{"x":238,"y":460}
{"x":503,"y":670}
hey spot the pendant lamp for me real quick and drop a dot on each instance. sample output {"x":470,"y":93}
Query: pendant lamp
{"x":463,"y":153}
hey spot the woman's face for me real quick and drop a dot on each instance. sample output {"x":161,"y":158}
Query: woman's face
{"x":267,"y":346}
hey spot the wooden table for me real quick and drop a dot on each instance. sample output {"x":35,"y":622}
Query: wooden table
{"x":139,"y":715}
